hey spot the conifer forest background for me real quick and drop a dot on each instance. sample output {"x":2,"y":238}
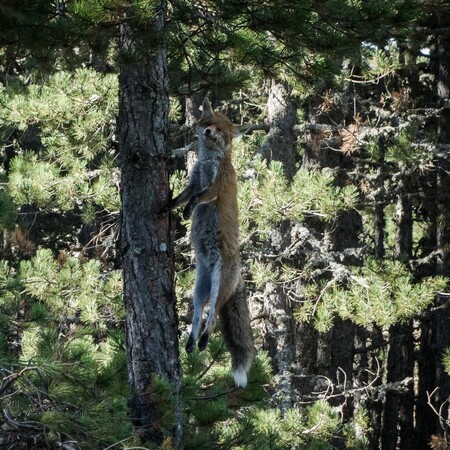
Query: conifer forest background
{"x":344,"y":196}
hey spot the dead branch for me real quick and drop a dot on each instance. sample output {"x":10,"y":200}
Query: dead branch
{"x":444,"y":423}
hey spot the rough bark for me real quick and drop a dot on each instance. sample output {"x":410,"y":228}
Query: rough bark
{"x":398,"y":422}
{"x":279,"y":341}
{"x":374,"y":402}
{"x":279,"y":327}
{"x":432,"y":377}
{"x":380,"y":221}
{"x":435,"y":337}
{"x":281,"y":143}
{"x":443,"y":172}
{"x":192,"y":114}
{"x":146,"y":247}
{"x":404,"y":223}
{"x":398,"y":416}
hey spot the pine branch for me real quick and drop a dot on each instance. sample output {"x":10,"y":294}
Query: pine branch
{"x":212,"y":397}
{"x":440,"y":413}
{"x":16,"y":425}
{"x":10,"y":379}
{"x":213,"y":360}
{"x":181,"y":151}
{"x":333,"y":390}
{"x":116,"y":444}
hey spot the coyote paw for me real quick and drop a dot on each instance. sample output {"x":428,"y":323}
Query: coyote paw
{"x":187,"y":212}
{"x":203,"y":342}
{"x":190,"y":345}
{"x":165,"y":210}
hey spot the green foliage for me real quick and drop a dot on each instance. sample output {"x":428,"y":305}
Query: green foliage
{"x":355,"y":432}
{"x":31,"y":182}
{"x":10,"y":288}
{"x":270,"y":199}
{"x":261,"y":273}
{"x":178,"y":181}
{"x":73,"y":288}
{"x":68,"y":347}
{"x":208,"y":397}
{"x":95,"y":12}
{"x":381,"y":292}
{"x":379,"y":62}
{"x":446,"y":360}
{"x":403,"y":150}
{"x":212,"y":411}
{"x":61,"y":318}
{"x":38,"y":48}
{"x":316,"y":194}
{"x":267,"y":428}
{"x":160,"y":394}
{"x":73,"y":114}
{"x":324,"y":418}
{"x":8,"y":212}
{"x":241,"y":419}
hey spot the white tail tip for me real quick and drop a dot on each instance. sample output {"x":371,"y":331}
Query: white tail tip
{"x":240,"y":377}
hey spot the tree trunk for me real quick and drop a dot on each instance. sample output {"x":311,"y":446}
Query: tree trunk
{"x":403,"y":222}
{"x":374,"y":403}
{"x":435,"y":337}
{"x":398,"y":416}
{"x":280,"y":343}
{"x":399,"y":408}
{"x":146,"y":247}
{"x":280,"y":143}
{"x":380,"y":221}
{"x":443,"y":173}
{"x":192,"y":115}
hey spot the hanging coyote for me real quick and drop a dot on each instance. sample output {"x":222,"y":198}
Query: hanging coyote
{"x":211,"y":197}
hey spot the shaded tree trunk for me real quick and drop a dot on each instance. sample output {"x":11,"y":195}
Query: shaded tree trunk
{"x":398,"y":416}
{"x":404,"y":223}
{"x":380,"y":221}
{"x":398,"y":423}
{"x":344,"y":234}
{"x":279,"y":327}
{"x":443,"y":172}
{"x":374,"y":402}
{"x":435,"y":337}
{"x":146,"y":247}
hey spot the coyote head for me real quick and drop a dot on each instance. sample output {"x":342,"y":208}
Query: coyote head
{"x":215,"y":130}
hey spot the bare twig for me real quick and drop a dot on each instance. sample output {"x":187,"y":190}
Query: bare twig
{"x":335,"y":391}
{"x":8,"y":380}
{"x":444,"y":423}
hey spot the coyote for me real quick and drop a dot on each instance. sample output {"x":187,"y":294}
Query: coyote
{"x":211,"y":197}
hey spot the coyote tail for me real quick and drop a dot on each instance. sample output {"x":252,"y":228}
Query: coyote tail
{"x":237,"y":333}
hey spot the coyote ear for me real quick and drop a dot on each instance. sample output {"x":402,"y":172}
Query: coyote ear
{"x":240,"y":130}
{"x":207,"y":111}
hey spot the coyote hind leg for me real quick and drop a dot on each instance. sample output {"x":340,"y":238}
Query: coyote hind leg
{"x":216,"y":281}
{"x":201,"y":294}
{"x":224,"y":281}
